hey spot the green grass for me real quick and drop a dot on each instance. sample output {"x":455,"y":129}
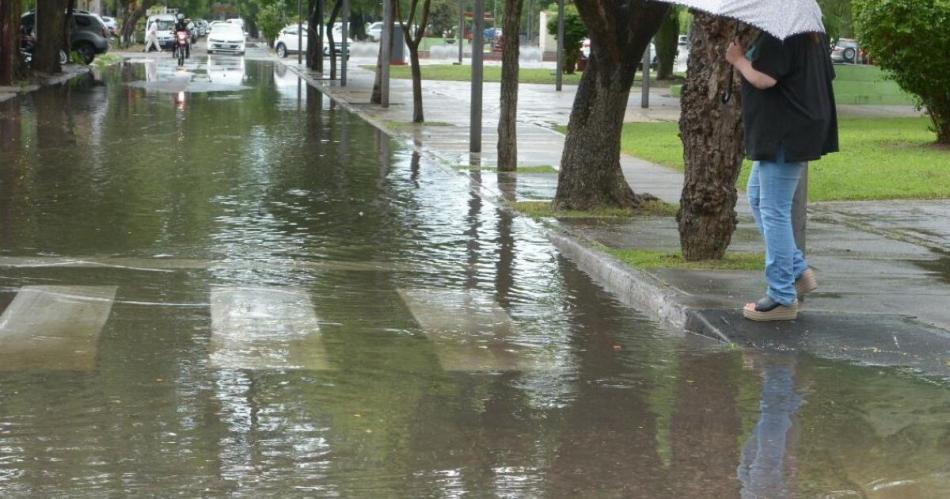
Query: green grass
{"x":451,"y":72}
{"x":650,"y":259}
{"x":880,"y":158}
{"x":539,"y":169}
{"x":402,"y":126}
{"x":542,"y":209}
{"x":857,"y":85}
{"x":104,"y":60}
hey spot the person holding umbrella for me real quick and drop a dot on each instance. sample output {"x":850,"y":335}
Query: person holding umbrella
{"x":789,"y":115}
{"x":788,"y":111}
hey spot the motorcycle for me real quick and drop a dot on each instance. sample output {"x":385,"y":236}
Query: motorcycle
{"x":181,"y":46}
{"x":28,"y":43}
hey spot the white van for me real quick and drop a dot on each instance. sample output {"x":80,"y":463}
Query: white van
{"x":166,"y":28}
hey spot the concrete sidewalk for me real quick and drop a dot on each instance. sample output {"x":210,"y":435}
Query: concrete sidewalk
{"x":883,"y":267}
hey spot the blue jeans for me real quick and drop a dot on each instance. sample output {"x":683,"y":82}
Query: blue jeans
{"x":771,"y":188}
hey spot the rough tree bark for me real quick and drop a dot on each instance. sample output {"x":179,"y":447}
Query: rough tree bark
{"x":314,"y":51}
{"x":590,"y":175}
{"x":508,"y":113}
{"x":49,"y":36}
{"x":337,"y":6}
{"x":412,"y":41}
{"x":712,"y":137}
{"x":9,"y":41}
{"x":377,"y":97}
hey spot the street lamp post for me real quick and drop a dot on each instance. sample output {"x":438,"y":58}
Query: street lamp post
{"x":560,"y":45}
{"x":299,"y":32}
{"x":346,"y":45}
{"x":386,"y":49}
{"x":645,"y":90}
{"x":461,"y":33}
{"x":475,"y":125}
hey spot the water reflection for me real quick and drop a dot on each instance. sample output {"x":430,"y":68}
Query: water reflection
{"x":276,"y":189}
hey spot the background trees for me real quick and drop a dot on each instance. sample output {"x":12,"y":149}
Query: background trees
{"x":912,"y":41}
{"x":574,"y":33}
{"x":590,"y":175}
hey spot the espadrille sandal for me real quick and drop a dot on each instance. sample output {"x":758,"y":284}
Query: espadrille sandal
{"x":767,"y":309}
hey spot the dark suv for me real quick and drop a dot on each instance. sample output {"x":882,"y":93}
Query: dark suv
{"x":87,"y":35}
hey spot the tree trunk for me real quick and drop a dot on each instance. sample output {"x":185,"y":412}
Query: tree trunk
{"x":417,"y":114}
{"x":49,"y":36}
{"x":70,"y":7}
{"x":318,"y":36}
{"x":712,"y":137}
{"x":128,"y":28}
{"x":667,"y":43}
{"x":9,"y":41}
{"x":312,"y":22}
{"x":508,"y":113}
{"x":590,"y":175}
{"x":337,"y":6}
{"x":377,"y":91}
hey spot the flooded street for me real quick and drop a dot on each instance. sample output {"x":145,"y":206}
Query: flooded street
{"x":215,"y":282}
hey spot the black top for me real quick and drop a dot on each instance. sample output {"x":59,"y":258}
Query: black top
{"x":797,"y":114}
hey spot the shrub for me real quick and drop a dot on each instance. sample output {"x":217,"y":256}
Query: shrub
{"x":269,"y":22}
{"x":574,"y":34}
{"x":911,"y":39}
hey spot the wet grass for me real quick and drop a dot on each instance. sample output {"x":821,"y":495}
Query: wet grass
{"x":534,"y":169}
{"x":880,"y":158}
{"x":542,"y":209}
{"x":104,"y":60}
{"x":651,"y":259}
{"x":858,"y":86}
{"x":404,"y":126}
{"x":492,"y":74}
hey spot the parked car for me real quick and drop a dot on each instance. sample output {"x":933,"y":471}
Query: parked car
{"x":287,"y":42}
{"x":110,"y":23}
{"x":226,"y":37}
{"x":238,"y":22}
{"x":202,"y":27}
{"x":88,"y":36}
{"x":375,"y":31}
{"x":585,"y":54}
{"x":846,"y":50}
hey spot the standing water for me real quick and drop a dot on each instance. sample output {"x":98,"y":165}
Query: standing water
{"x":216,"y":283}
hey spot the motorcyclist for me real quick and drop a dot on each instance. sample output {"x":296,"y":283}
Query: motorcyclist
{"x":182,"y":25}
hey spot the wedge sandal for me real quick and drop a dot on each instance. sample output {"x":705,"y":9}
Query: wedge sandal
{"x":767,"y":309}
{"x":806,"y":283}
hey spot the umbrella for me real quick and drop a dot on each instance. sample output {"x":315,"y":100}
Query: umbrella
{"x":780,"y":18}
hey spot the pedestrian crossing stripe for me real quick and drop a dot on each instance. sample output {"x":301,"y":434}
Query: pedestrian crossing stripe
{"x":469,"y":331}
{"x":54,"y":327}
{"x":263,"y":328}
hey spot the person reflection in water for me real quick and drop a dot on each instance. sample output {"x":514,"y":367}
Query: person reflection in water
{"x":762,"y":466}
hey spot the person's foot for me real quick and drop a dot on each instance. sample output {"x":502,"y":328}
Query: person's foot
{"x":767,"y":309}
{"x":806,"y":283}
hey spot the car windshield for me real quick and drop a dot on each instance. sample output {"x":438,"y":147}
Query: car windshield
{"x":227,"y":30}
{"x":165,"y":25}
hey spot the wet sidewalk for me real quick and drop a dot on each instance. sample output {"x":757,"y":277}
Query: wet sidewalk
{"x":883,"y":267}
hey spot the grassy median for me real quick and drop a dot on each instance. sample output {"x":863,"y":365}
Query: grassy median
{"x":880,"y":158}
{"x":451,"y":72}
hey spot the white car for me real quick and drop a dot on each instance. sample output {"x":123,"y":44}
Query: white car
{"x":110,"y":23}
{"x":375,"y":31}
{"x":287,"y":42}
{"x":238,"y":22}
{"x":226,"y":38}
{"x":166,"y":26}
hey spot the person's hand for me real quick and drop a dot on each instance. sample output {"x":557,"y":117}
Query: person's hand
{"x":735,"y":52}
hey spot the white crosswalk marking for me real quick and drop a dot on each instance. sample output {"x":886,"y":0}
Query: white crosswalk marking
{"x":470,"y":332}
{"x":265,"y":328}
{"x":54,"y":327}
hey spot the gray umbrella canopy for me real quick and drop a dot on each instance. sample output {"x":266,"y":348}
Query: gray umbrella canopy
{"x":780,"y":18}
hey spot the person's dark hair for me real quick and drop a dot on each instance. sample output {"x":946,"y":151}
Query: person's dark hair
{"x":814,"y":36}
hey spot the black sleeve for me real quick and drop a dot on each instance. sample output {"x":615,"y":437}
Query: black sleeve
{"x":773,"y":57}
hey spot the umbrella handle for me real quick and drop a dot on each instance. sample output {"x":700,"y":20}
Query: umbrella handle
{"x":727,"y":94}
